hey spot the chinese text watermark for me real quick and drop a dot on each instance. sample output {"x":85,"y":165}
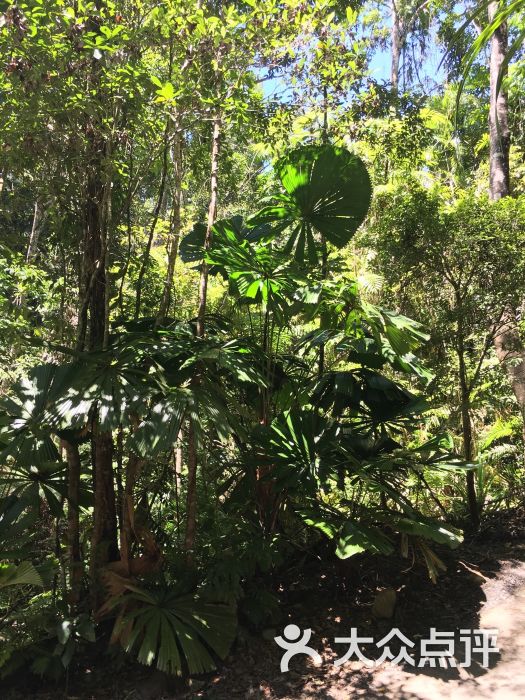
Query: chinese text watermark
{"x":437,"y":648}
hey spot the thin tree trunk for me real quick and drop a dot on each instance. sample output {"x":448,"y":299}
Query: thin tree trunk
{"x":396,"y":45}
{"x":129,"y":232}
{"x":191,"y":499}
{"x":32,"y":247}
{"x":178,"y":477}
{"x":175,"y":228}
{"x":161,"y":197}
{"x":191,"y":494}
{"x":133,"y":469}
{"x":212,"y":215}
{"x":324,"y":245}
{"x":92,"y":311}
{"x":156,"y":215}
{"x":324,"y":275}
{"x":178,"y":461}
{"x":76,"y":569}
{"x":468,"y":444}
{"x":38,"y":218}
{"x":466,"y":423}
{"x":118,"y":476}
{"x":106,"y":227}
{"x":104,"y":546}
{"x":104,"y":536}
{"x":499,"y":132}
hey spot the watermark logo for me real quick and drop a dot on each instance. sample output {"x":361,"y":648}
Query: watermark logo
{"x":437,"y":648}
{"x":295,"y":642}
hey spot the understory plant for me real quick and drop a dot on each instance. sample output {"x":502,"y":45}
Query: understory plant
{"x":301,"y":399}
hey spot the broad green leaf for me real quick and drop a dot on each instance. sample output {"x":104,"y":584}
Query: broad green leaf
{"x":328,"y":193}
{"x":355,"y":538}
{"x":23,"y":574}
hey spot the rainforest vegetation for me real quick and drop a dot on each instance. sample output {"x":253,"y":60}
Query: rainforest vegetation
{"x":262,"y":297}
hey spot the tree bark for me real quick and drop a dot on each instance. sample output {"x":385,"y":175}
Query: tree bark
{"x":396,"y":45}
{"x":32,"y":247}
{"x":468,"y":443}
{"x":104,"y":537}
{"x":466,"y":423}
{"x":156,"y":215}
{"x":92,"y":312}
{"x":93,"y":322}
{"x":191,"y":500}
{"x":212,"y":215}
{"x":508,"y":343}
{"x":76,"y":569}
{"x":499,"y":133}
{"x":133,"y":469}
{"x":175,"y":227}
{"x":38,"y":218}
{"x":191,"y":494}
{"x":104,"y":547}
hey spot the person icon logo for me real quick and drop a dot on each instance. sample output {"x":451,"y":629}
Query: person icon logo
{"x":294,"y":644}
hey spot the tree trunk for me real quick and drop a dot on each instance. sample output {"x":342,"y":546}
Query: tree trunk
{"x":178,"y":461}
{"x":466,"y":424}
{"x":161,"y":201}
{"x":396,"y":45}
{"x":156,"y":215}
{"x":104,"y":537}
{"x":499,"y":133}
{"x":76,"y":568}
{"x":468,"y":448}
{"x":92,"y":306}
{"x":93,"y":321}
{"x":508,"y":344}
{"x":133,"y":469}
{"x":511,"y":355}
{"x":324,"y":276}
{"x":191,"y":501}
{"x":191,"y":494}
{"x":212,"y":214}
{"x":175,"y":228}
{"x":32,"y":247}
{"x":104,"y":546}
{"x":38,"y":218}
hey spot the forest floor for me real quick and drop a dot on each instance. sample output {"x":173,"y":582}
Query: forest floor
{"x":483,"y":587}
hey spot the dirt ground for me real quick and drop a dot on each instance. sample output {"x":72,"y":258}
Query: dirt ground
{"x":483,"y":587}
{"x":481,"y":591}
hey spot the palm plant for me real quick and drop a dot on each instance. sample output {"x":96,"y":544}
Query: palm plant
{"x":176,"y":632}
{"x":321,"y":442}
{"x":316,"y":433}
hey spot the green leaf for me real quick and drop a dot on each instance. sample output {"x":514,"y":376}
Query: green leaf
{"x":355,"y":538}
{"x":167,"y":627}
{"x":315,"y":517}
{"x":191,"y":246}
{"x":429,"y":529}
{"x":499,"y":430}
{"x":328,"y":192}
{"x":23,"y":574}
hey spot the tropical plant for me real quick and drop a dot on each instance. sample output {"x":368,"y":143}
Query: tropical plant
{"x":176,"y":632}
